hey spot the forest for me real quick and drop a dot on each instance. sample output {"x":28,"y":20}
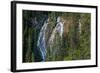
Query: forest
{"x":55,"y":36}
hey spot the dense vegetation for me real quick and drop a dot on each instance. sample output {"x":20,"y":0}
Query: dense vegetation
{"x":74,"y":45}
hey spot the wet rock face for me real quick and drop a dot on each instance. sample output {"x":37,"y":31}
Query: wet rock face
{"x":37,"y":22}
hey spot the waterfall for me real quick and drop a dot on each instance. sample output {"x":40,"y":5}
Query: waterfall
{"x":58,"y":28}
{"x":41,"y":41}
{"x":53,"y":41}
{"x":80,"y":26}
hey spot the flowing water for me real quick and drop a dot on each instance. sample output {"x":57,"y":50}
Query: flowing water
{"x":41,"y":43}
{"x":58,"y":28}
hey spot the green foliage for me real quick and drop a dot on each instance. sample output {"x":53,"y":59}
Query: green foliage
{"x":79,"y":46}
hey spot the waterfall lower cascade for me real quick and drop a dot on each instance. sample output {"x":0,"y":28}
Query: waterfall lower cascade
{"x":41,"y":43}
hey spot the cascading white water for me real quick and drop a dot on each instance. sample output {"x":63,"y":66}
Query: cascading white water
{"x":80,"y":26}
{"x":58,"y":28}
{"x":41,"y":40}
{"x":57,"y":32}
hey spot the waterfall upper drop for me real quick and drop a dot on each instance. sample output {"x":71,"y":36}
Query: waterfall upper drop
{"x":58,"y":28}
{"x":55,"y":41}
